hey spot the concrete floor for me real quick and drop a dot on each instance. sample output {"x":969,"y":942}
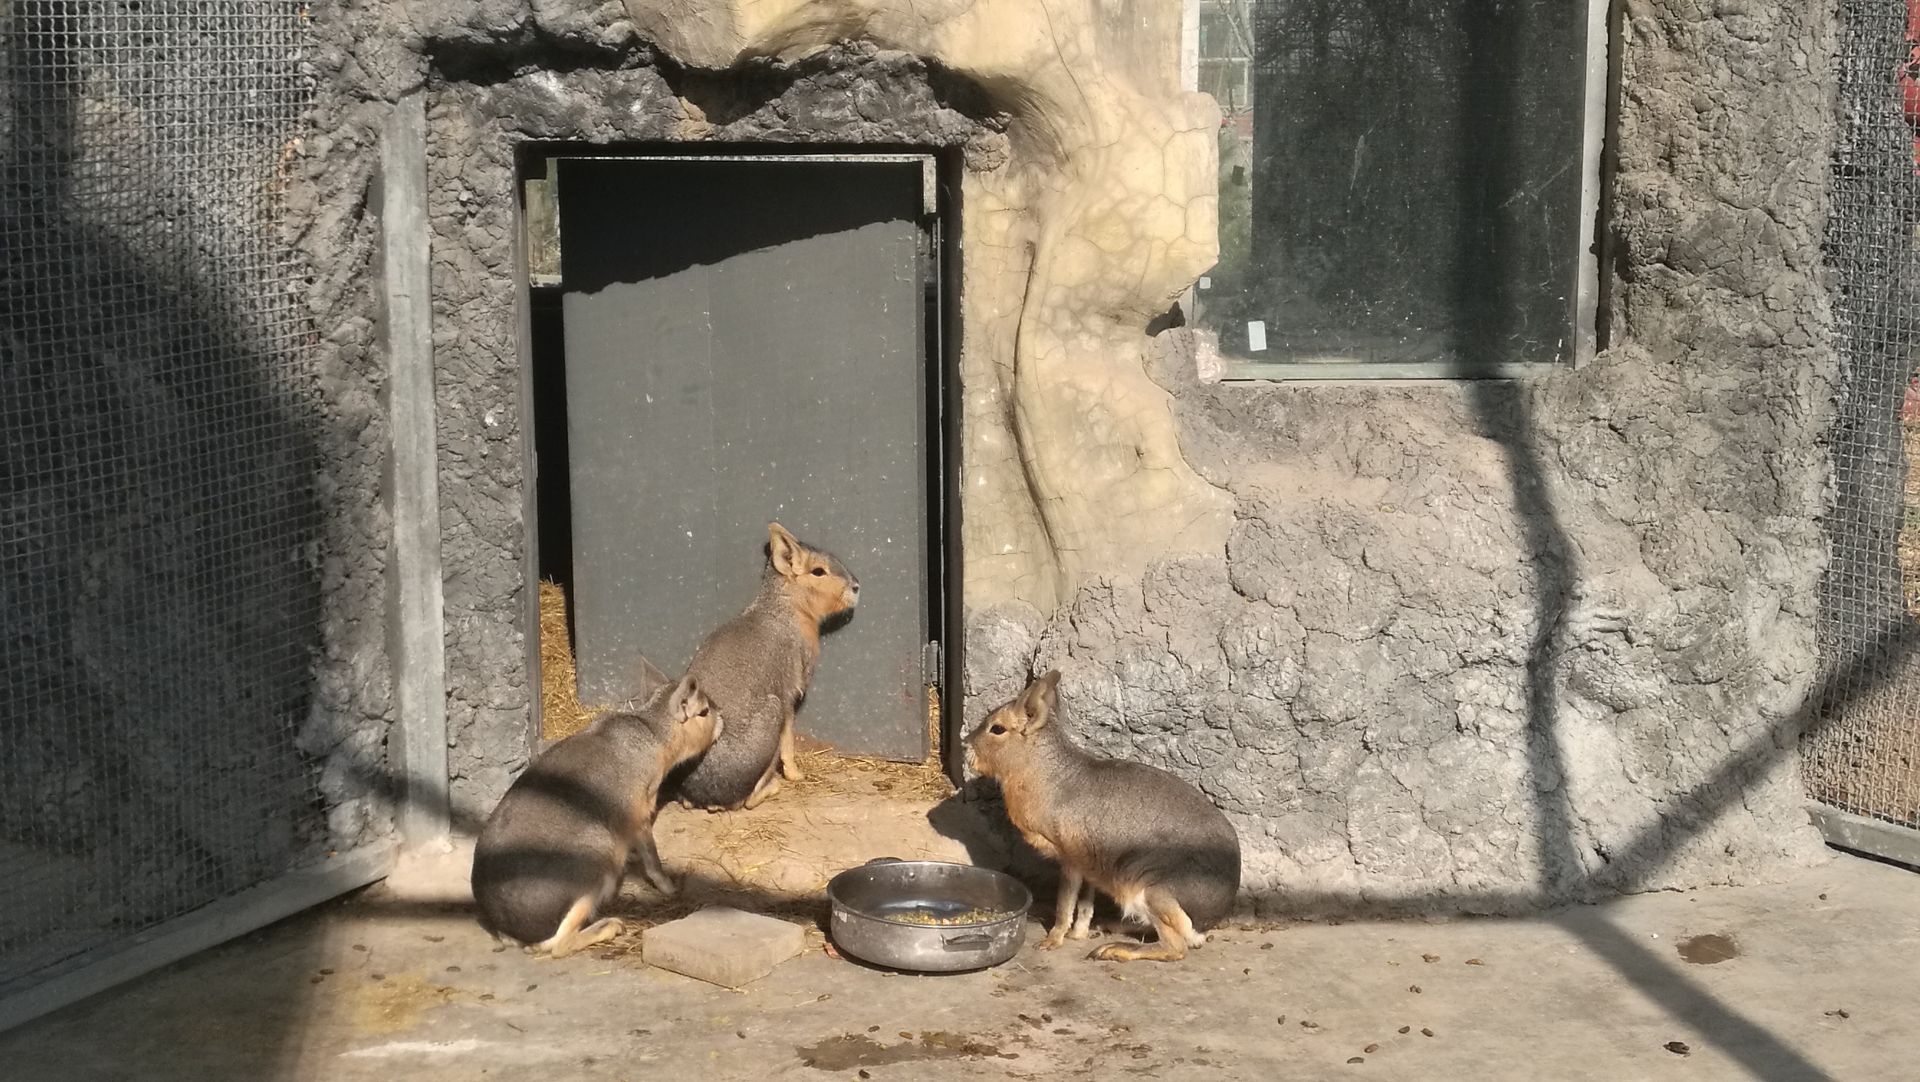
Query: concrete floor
{"x":1823,"y":983}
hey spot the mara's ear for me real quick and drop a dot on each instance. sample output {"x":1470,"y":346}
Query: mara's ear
{"x":686,"y":700}
{"x":1041,"y":699}
{"x":783,"y":549}
{"x":651,"y":680}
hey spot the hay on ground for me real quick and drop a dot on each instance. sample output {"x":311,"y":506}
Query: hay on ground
{"x":561,"y":711}
{"x":829,"y":771}
{"x":563,"y":714}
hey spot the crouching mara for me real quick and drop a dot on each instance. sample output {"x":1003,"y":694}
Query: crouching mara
{"x":555,"y":849}
{"x":1152,"y":842}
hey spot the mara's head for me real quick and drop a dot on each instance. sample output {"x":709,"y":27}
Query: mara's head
{"x":815,"y":578}
{"x":1006,"y":738}
{"x":692,"y":723}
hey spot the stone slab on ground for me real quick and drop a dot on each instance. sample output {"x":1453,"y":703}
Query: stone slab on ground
{"x":723,"y":946}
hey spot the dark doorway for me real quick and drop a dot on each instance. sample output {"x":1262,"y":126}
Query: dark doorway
{"x":728,"y":340}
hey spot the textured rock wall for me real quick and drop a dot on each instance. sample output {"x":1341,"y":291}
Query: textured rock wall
{"x":359,"y":60}
{"x":1483,"y":646}
{"x":1456,"y":646}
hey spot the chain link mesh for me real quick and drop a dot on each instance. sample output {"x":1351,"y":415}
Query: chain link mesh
{"x":158,"y":527}
{"x":1863,"y":755}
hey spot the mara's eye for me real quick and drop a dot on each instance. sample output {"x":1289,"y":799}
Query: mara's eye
{"x":704,"y":712}
{"x":997,"y":730}
{"x":819,"y":570}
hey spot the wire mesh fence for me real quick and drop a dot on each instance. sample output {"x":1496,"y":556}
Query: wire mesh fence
{"x":158,"y":531}
{"x":1863,"y":755}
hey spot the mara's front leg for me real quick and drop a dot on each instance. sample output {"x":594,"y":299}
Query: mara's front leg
{"x":1063,"y":907}
{"x":1083,"y":914}
{"x":789,"y":758}
{"x":650,"y":865}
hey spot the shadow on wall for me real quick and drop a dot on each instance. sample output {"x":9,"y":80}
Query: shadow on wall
{"x":159,"y":595}
{"x":1505,"y":415}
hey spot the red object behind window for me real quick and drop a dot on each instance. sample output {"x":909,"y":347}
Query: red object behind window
{"x":1909,"y":85}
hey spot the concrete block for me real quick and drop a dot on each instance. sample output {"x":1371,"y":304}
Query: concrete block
{"x":723,"y":946}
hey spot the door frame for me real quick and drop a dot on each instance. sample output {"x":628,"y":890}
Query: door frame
{"x":944,"y":663}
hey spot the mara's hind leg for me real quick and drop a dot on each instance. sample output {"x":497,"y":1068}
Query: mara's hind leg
{"x":768,"y":785}
{"x":1083,"y":914}
{"x":1063,"y":907}
{"x":598,"y":932}
{"x":572,"y":937}
{"x":1186,"y":930}
{"x":789,"y":758}
{"x":1168,"y":921}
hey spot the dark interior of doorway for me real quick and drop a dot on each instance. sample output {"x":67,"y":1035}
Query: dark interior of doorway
{"x":544,"y":388}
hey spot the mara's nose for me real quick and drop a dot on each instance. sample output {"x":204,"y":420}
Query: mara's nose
{"x":855,"y":587}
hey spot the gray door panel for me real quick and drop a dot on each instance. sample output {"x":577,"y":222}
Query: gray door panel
{"x":771,"y":373}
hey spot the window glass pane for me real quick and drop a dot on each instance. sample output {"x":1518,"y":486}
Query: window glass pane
{"x":1400,"y":180}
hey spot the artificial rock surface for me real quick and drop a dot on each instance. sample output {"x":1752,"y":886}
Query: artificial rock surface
{"x":1447,"y":645}
{"x":1481,"y":646}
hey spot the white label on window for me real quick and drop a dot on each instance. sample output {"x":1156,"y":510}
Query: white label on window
{"x":1256,"y":336}
{"x":1206,"y":282}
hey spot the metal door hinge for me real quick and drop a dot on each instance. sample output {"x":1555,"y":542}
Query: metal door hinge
{"x":930,"y":664}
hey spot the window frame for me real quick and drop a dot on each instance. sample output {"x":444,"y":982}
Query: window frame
{"x":1601,"y":81}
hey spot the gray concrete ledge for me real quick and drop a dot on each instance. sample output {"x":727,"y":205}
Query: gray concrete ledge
{"x":205,"y":927}
{"x":1874,"y":837}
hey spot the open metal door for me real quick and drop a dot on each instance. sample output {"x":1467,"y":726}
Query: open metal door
{"x":746,"y":341}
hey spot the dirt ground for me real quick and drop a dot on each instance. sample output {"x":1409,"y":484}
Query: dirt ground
{"x":1809,"y":979}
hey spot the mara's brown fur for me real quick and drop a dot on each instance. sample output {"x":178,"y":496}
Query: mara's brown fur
{"x":756,"y":668}
{"x":1151,"y":841}
{"x":556,"y":847}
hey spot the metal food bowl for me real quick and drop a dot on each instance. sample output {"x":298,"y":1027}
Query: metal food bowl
{"x":873,"y":907}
